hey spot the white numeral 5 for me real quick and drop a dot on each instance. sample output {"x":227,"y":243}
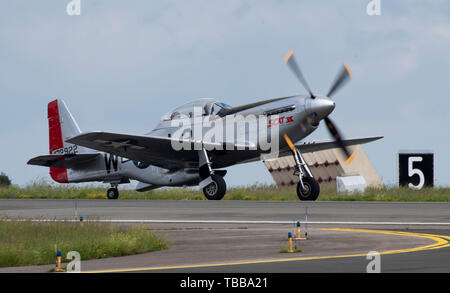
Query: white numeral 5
{"x":412,"y":172}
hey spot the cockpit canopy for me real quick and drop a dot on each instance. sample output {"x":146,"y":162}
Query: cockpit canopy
{"x":200,"y":107}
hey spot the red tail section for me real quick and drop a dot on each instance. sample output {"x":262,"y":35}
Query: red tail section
{"x":55,"y":140}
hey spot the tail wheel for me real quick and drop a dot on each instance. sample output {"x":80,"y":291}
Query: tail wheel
{"x":216,"y":189}
{"x":311,"y":190}
{"x":112,"y":193}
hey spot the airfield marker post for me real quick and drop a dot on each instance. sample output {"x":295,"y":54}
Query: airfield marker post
{"x":299,"y":235}
{"x":58,"y":262}
{"x":290,"y":242}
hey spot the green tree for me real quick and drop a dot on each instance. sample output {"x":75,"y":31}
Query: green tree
{"x":4,"y":180}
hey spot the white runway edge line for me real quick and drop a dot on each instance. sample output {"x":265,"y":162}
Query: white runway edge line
{"x":229,"y":222}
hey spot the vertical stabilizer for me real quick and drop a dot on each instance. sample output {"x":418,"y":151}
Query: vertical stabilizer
{"x":61,"y":126}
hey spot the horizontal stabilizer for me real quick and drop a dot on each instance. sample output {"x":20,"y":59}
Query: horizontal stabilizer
{"x":62,"y":161}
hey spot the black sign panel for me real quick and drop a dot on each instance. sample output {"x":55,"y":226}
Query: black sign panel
{"x":416,"y":170}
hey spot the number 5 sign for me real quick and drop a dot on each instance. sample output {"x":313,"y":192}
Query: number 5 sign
{"x":415,"y":169}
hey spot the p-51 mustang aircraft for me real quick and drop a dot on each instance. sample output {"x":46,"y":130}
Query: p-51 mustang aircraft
{"x":152,"y":160}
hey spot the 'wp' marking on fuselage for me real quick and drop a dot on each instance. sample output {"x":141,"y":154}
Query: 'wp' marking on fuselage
{"x":111,"y":159}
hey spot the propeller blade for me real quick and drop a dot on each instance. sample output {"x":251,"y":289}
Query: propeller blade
{"x":290,"y":61}
{"x":344,"y":75}
{"x":338,"y":138}
{"x":289,"y":142}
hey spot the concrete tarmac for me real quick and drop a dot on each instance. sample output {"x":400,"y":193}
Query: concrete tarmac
{"x":227,"y":210}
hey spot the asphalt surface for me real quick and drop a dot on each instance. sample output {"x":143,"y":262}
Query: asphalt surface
{"x":226,"y":210}
{"x":200,"y":244}
{"x":428,"y":261}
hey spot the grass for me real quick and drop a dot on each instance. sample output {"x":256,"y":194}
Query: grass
{"x":295,"y":249}
{"x":42,"y":189}
{"x":28,"y":243}
{"x":284,"y":250}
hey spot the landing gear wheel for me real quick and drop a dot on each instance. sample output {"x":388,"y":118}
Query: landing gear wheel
{"x":112,"y":193}
{"x":311,"y":191}
{"x":216,"y":189}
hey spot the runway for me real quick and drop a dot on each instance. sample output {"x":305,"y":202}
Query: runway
{"x":247,"y":236}
{"x":180,"y":210}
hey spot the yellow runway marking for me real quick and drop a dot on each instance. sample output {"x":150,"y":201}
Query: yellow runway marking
{"x":441,"y":241}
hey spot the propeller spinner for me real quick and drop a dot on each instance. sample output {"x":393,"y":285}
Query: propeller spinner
{"x":323,"y":106}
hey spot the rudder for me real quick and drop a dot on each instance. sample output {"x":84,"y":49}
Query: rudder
{"x":61,"y":126}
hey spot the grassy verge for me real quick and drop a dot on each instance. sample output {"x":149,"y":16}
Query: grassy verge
{"x":254,"y":192}
{"x":285,"y":250}
{"x":26,"y":243}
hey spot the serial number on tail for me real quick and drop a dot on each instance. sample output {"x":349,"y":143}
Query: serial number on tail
{"x":67,"y":150}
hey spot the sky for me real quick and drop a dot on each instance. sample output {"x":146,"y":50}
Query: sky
{"x":121,"y":65}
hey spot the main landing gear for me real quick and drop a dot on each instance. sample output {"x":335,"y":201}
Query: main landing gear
{"x":307,"y":187}
{"x":213,"y":185}
{"x":113,"y":192}
{"x":310,"y":189}
{"x":216,"y":189}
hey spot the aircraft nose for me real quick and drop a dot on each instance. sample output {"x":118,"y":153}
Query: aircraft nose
{"x":322,"y":106}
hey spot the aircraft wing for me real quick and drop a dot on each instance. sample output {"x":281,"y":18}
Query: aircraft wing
{"x":153,"y":150}
{"x":62,"y":161}
{"x":320,"y":146}
{"x":158,"y":151}
{"x":308,"y":147}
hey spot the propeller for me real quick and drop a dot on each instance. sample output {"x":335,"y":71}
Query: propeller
{"x":290,"y":61}
{"x":344,"y":75}
{"x":338,"y":138}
